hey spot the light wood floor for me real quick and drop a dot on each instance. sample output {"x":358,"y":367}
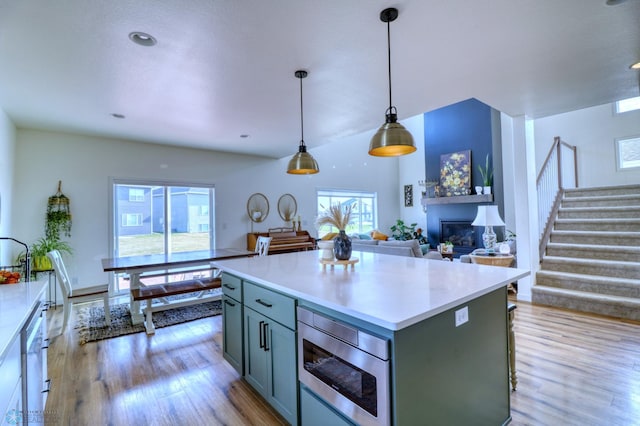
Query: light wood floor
{"x":573,"y":369}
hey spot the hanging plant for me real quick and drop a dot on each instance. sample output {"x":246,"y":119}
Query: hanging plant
{"x":58,"y":220}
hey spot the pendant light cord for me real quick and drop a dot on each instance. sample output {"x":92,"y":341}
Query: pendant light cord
{"x":389,"y":57}
{"x":301,"y":116}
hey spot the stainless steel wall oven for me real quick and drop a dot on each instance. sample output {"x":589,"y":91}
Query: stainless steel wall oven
{"x":345,"y":366}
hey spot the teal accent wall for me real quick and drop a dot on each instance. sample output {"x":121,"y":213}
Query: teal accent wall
{"x":467,"y":125}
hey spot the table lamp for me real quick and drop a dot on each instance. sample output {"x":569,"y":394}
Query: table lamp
{"x":488,"y":217}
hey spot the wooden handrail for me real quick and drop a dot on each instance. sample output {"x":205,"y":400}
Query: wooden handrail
{"x":550,"y":188}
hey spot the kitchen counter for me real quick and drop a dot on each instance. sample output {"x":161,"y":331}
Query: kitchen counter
{"x":393,"y":292}
{"x":17,"y":301}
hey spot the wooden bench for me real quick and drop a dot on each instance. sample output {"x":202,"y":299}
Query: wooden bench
{"x":161,"y":291}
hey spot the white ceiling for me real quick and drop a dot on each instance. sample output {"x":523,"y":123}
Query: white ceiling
{"x":223,"y":68}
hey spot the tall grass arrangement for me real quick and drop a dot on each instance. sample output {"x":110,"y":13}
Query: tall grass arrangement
{"x":336,"y":215}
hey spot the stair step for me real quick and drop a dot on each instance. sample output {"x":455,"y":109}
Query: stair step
{"x":604,"y":201}
{"x":603,"y":190}
{"x":599,"y":212}
{"x":610,"y":268}
{"x":614,"y":306}
{"x":594,"y":251}
{"x":619,"y":225}
{"x":623,"y":287}
{"x":592,"y":260}
{"x":596,"y":238}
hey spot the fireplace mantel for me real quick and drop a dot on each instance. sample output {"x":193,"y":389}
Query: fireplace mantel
{"x":461,"y":199}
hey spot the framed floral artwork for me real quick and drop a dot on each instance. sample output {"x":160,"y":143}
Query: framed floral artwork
{"x":455,"y":174}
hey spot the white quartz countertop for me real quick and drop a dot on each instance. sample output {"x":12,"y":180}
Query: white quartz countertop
{"x":16,"y":303}
{"x":392,"y":292}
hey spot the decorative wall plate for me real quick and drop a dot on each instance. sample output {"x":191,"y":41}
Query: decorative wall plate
{"x":257,"y":207}
{"x":287,"y":207}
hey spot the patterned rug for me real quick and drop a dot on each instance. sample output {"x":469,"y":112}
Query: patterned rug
{"x":91,"y":325}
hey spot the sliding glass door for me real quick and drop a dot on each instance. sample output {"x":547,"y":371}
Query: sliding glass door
{"x":158,"y":218}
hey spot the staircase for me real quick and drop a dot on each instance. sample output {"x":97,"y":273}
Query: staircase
{"x":592,"y":262}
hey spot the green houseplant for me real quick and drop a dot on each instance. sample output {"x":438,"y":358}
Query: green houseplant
{"x":403,"y":232}
{"x":487,"y":175}
{"x":42,"y":246}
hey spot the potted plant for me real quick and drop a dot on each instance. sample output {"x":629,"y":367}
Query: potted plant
{"x":403,"y":232}
{"x":42,"y":246}
{"x":339,"y":216}
{"x":487,"y":176}
{"x":447,"y":247}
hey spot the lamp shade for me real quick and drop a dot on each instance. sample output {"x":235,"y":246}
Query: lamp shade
{"x":391,"y":140}
{"x":302,"y":163}
{"x":488,"y":216}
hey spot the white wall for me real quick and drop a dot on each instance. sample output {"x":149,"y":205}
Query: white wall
{"x":85,"y":165}
{"x":7,"y":147}
{"x":411,"y":170}
{"x":593,"y":131}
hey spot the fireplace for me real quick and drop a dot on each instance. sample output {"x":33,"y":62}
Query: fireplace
{"x":460,"y":233}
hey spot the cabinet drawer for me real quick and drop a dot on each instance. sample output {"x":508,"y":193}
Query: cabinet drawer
{"x":232,"y":286}
{"x":271,"y":304}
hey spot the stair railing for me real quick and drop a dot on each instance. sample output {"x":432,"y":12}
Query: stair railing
{"x":557,"y":173}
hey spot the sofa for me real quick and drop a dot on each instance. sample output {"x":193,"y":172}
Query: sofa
{"x":409,"y":248}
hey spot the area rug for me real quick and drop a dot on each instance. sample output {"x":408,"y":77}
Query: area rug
{"x":91,"y":324}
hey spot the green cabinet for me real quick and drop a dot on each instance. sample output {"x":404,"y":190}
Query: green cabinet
{"x":270,"y":351}
{"x":232,"y":340}
{"x":315,"y":412}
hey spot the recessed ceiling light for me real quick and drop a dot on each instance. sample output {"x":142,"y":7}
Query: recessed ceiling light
{"x":614,"y":2}
{"x":143,"y":39}
{"x":635,"y":66}
{"x":116,"y":115}
{"x":244,"y":136}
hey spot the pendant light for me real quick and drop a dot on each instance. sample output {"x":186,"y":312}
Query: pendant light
{"x":302,"y":163}
{"x":391,"y":139}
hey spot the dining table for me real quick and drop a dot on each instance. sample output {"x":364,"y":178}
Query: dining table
{"x":166,"y":264}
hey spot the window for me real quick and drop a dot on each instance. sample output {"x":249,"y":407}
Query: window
{"x":131,"y":219}
{"x":364,"y":214}
{"x":628,"y":153}
{"x":156,"y":218}
{"x":627,"y":105}
{"x":136,"y":194}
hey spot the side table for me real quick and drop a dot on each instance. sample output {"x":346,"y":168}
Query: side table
{"x":504,"y":260}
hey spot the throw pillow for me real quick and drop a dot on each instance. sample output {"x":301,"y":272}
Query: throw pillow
{"x":364,"y":236}
{"x":329,"y":236}
{"x":377,"y":235}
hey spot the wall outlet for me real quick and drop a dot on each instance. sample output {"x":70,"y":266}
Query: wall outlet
{"x":462,"y":316}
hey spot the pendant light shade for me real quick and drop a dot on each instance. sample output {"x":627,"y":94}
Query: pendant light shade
{"x":391,"y":139}
{"x":302,"y":163}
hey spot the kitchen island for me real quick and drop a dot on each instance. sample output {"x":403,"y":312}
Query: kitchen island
{"x":445,"y":324}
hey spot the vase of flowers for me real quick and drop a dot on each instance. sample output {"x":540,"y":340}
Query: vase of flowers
{"x":338,"y":216}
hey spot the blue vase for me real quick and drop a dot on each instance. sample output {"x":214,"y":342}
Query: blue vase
{"x":342,"y":246}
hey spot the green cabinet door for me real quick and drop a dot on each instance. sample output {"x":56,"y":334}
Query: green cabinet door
{"x":255,"y":356}
{"x":283,"y":377}
{"x":270,"y":362}
{"x":232,"y":333}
